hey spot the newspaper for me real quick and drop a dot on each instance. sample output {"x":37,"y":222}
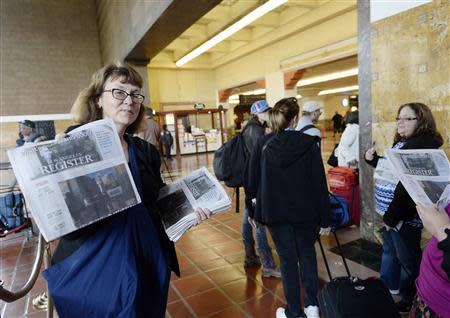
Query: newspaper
{"x":75,"y":181}
{"x":178,"y":201}
{"x":425,"y":173}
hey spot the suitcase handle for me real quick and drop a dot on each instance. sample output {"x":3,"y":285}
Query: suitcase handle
{"x":340,"y":251}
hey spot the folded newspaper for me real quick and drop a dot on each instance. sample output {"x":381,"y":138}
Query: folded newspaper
{"x":75,"y":181}
{"x":178,"y":200}
{"x":425,"y":174}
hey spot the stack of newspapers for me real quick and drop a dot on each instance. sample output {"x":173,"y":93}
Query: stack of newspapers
{"x":177,"y":201}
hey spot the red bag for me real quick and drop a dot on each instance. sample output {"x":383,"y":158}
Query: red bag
{"x":344,"y":182}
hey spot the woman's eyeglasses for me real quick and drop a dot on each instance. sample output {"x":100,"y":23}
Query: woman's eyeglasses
{"x":122,"y":95}
{"x":402,"y":120}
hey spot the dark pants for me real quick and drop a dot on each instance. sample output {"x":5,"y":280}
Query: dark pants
{"x":167,"y":148}
{"x":295,"y":246}
{"x":401,"y":259}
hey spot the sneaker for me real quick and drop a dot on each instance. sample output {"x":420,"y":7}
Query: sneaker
{"x":394,"y":291}
{"x":252,"y":261}
{"x":312,"y":312}
{"x":403,"y":307}
{"x":280,"y":313}
{"x":271,"y":272}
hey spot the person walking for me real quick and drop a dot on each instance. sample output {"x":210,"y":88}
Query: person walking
{"x":337,"y":123}
{"x":167,"y":141}
{"x":152,"y":132}
{"x":287,"y":179}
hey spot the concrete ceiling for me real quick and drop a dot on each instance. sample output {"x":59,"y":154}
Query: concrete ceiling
{"x":220,"y":17}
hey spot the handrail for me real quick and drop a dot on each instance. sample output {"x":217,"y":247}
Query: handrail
{"x":10,"y":296}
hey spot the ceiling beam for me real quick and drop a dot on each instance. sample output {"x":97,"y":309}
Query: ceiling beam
{"x":178,"y":17}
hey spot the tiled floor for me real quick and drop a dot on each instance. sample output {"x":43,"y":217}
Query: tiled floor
{"x":213,"y":283}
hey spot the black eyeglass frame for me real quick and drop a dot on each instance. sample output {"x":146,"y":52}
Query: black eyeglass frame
{"x":405,"y":119}
{"x":140,"y":97}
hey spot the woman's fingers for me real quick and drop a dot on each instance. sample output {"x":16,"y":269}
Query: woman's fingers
{"x":201,"y":215}
{"x":61,"y":136}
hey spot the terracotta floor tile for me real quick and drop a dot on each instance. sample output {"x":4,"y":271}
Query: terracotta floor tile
{"x":225,"y":275}
{"x":209,"y":302}
{"x":15,"y":309}
{"x":236,"y":259}
{"x":233,"y":312}
{"x":203,"y":256}
{"x":220,"y":262}
{"x":193,"y":284}
{"x":262,"y":306}
{"x":173,"y":296}
{"x":243,"y":289}
{"x":179,"y":310}
{"x":228,"y":248}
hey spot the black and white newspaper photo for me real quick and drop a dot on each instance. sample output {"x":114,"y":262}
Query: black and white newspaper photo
{"x":75,"y":181}
{"x":425,"y":173}
{"x":177,"y":201}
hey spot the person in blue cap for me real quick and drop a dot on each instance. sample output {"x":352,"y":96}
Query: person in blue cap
{"x":254,"y":129}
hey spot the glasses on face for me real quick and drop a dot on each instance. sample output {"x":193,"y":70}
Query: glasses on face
{"x":122,"y":95}
{"x":405,"y":119}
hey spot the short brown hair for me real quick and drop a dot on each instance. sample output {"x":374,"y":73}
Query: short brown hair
{"x":282,"y":114}
{"x":425,"y":121}
{"x":85,"y":108}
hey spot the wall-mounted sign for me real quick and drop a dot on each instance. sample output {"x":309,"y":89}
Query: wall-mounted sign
{"x":199,"y":106}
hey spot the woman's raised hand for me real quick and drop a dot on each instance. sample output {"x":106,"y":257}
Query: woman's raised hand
{"x":371,"y":152}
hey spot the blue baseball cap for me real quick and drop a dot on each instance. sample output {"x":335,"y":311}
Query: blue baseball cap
{"x":259,"y":106}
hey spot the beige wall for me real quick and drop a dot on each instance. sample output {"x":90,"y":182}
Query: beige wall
{"x":410,"y":62}
{"x":49,"y":50}
{"x":178,"y":86}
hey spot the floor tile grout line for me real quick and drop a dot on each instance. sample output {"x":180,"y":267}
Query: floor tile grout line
{"x":217,"y":286}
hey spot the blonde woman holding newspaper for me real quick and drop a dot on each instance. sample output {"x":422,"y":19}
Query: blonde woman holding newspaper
{"x":416,"y":129}
{"x":120,"y":266}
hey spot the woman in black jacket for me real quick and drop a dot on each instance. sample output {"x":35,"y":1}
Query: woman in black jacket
{"x":416,"y":129}
{"x":287,"y":178}
{"x":120,"y":266}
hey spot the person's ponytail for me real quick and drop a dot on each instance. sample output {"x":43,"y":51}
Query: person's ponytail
{"x":282,"y":114}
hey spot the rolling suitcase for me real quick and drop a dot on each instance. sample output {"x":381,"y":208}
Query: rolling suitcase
{"x":344,"y":182}
{"x":351,"y":297}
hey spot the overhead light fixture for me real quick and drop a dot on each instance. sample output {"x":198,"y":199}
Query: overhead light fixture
{"x":298,"y":96}
{"x":249,"y":18}
{"x":339,"y":90}
{"x":328,"y":77}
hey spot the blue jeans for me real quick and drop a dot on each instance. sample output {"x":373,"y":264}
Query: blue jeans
{"x":295,"y":246}
{"x":260,"y":234}
{"x":401,"y":258}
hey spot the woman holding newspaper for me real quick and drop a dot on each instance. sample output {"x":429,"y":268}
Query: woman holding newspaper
{"x":120,"y":266}
{"x":402,"y":231}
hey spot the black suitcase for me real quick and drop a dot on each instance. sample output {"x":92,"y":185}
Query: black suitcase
{"x":351,"y":297}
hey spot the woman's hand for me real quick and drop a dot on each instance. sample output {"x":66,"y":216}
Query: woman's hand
{"x":325,"y":230}
{"x":201,"y":215}
{"x":371,"y":152}
{"x":435,"y":220}
{"x":61,"y":136}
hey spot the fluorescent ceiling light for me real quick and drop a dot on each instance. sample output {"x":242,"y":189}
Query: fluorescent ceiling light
{"x":249,"y":18}
{"x":339,"y":90}
{"x":328,"y":77}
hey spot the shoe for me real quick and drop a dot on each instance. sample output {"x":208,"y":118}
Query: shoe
{"x":280,"y":313}
{"x":40,"y":301}
{"x":312,"y":312}
{"x":252,"y":261}
{"x":394,"y":291}
{"x":403,"y":307}
{"x":271,"y":272}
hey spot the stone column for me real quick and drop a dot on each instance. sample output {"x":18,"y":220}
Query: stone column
{"x":365,"y":120}
{"x":141,"y":67}
{"x":274,"y":87}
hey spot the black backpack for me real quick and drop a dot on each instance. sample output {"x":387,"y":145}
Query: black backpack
{"x":230,"y":160}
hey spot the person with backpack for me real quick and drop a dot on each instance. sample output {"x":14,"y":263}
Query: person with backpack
{"x":311,"y":113}
{"x":287,"y":178}
{"x":167,"y":141}
{"x":254,"y":130}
